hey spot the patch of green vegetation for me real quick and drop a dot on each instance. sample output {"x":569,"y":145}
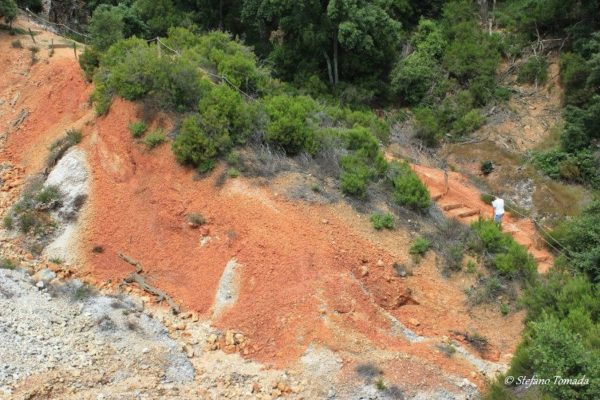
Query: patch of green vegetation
{"x":7,"y":263}
{"x":60,"y":146}
{"x":233,"y":172}
{"x":83,"y":292}
{"x":138,"y":128}
{"x":381,"y":221}
{"x":503,"y":253}
{"x":408,"y":190}
{"x":154,"y":139}
{"x":534,"y":70}
{"x":196,"y":219}
{"x":30,"y":214}
{"x":419,"y":247}
{"x":486,"y":167}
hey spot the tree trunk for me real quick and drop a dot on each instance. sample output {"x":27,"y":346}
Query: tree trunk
{"x":483,"y":10}
{"x":220,"y":15}
{"x":328,"y":68}
{"x":336,"y":77}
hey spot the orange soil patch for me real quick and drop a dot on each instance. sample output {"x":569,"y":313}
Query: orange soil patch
{"x":301,"y":266}
{"x":302,"y":279}
{"x":463,"y":202}
{"x":54,"y":94}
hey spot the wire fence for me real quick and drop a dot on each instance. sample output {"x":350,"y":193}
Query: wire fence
{"x":54,"y":26}
{"x":561,"y":249}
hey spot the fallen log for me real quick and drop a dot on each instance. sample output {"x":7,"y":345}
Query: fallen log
{"x":136,"y":277}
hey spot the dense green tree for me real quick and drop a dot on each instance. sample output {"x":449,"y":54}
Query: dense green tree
{"x":8,"y":11}
{"x":348,"y":39}
{"x":106,"y":27}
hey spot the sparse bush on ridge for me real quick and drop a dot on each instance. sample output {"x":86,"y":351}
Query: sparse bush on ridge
{"x":154,"y":139}
{"x":419,"y":247}
{"x":138,"y":128}
{"x":381,"y":221}
{"x":408,"y":190}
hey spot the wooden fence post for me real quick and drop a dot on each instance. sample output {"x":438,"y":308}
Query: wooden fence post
{"x":31,"y":34}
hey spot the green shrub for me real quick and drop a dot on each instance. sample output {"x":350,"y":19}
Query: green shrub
{"x":233,"y":172}
{"x":467,"y":123}
{"x":574,"y":72}
{"x":154,"y":139}
{"x":381,"y":221}
{"x":89,"y":61}
{"x":196,"y":219}
{"x":491,"y":237}
{"x":455,"y":256}
{"x":408,"y":190}
{"x":471,"y":267}
{"x":289,"y":125}
{"x":419,"y":247}
{"x":487,"y":198}
{"x":427,"y":126}
{"x":414,"y":77}
{"x":581,"y":238}
{"x":192,"y":146}
{"x":106,"y":27}
{"x":48,"y":194}
{"x":8,"y":11}
{"x":354,"y":182}
{"x":534,"y":70}
{"x":138,"y":128}
{"x":6,"y":263}
{"x":514,"y":260}
{"x":486,"y":167}
{"x":8,"y":222}
{"x":16,"y":44}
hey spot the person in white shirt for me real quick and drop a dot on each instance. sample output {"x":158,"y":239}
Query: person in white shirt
{"x":498,"y":205}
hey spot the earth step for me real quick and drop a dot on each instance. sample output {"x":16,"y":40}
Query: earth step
{"x":541,"y":259}
{"x":468,"y":213}
{"x":437,"y":196}
{"x":449,"y":207}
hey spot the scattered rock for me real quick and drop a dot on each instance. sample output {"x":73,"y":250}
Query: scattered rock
{"x":45,"y":275}
{"x":364,"y":271}
{"x":380,"y":263}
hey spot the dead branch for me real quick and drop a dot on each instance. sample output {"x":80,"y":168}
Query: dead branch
{"x":136,"y":277}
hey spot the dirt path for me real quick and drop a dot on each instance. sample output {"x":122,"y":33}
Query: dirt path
{"x":463,"y":202}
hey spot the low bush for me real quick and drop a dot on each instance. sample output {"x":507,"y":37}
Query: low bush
{"x":7,"y":263}
{"x":419,"y":247}
{"x":16,"y":44}
{"x":89,"y":61}
{"x":408,"y":190}
{"x":381,"y":221}
{"x":289,"y":125}
{"x":60,"y":146}
{"x":195,"y":219}
{"x":233,"y":172}
{"x":154,"y":139}
{"x":363,"y":164}
{"x":193,"y":146}
{"x":486,"y":167}
{"x":487,"y":198}
{"x":505,"y":255}
{"x":534,"y":71}
{"x":138,"y":128}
